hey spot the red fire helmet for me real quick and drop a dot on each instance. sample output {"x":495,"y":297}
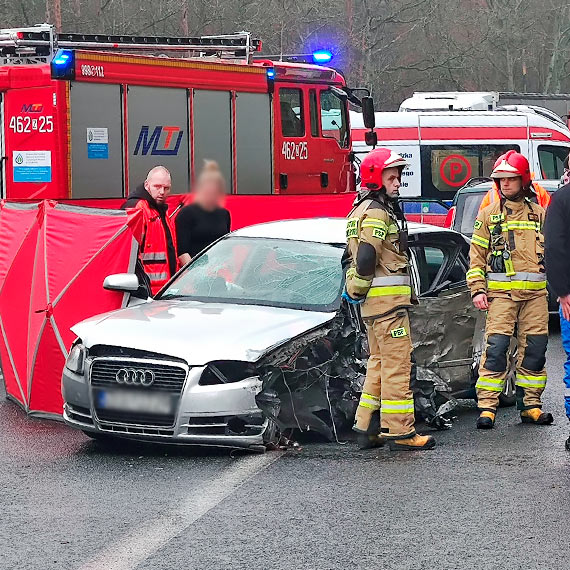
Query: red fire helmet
{"x":374,"y":164}
{"x":510,"y":165}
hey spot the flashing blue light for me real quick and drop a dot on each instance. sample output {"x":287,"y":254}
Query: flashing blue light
{"x":62,"y":58}
{"x":271,"y":73}
{"x":322,"y":56}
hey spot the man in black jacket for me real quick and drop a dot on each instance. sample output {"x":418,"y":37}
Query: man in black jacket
{"x":557,"y":258}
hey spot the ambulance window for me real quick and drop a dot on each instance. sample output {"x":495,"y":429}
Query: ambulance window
{"x":313,"y":110}
{"x":292,"y":119}
{"x":333,"y":117}
{"x":447,"y":168}
{"x":551,"y":160}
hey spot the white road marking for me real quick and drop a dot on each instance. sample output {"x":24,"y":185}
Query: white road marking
{"x":136,"y":546}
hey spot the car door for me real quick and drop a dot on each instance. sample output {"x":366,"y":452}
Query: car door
{"x":445,"y":323}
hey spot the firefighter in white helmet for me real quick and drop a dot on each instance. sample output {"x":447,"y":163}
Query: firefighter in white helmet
{"x":378,"y":280}
{"x":507,"y":279}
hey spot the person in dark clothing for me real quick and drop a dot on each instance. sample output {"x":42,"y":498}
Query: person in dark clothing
{"x":557,"y":259}
{"x":205,"y":220}
{"x":158,"y":248}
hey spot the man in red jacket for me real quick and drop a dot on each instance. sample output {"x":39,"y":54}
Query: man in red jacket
{"x":157,"y":250}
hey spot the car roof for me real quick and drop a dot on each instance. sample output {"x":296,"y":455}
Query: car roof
{"x":319,"y":230}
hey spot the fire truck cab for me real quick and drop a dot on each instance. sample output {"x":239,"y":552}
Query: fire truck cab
{"x":450,"y":138}
{"x":84,"y":124}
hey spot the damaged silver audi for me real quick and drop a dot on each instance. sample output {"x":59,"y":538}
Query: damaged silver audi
{"x":251,"y":340}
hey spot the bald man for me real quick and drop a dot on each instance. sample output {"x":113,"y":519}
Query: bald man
{"x":158,"y":250}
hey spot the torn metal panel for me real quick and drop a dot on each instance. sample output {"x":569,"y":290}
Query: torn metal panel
{"x":313,"y":383}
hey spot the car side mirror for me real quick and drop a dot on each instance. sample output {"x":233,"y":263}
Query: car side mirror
{"x":368,"y":112}
{"x":124,"y":282}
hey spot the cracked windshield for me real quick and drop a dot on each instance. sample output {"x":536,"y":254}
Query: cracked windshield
{"x":280,"y":273}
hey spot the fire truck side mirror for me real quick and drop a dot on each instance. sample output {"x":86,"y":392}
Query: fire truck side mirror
{"x":368,"y":112}
{"x":371,"y":138}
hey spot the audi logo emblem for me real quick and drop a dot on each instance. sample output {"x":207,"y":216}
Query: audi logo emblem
{"x":135,"y":377}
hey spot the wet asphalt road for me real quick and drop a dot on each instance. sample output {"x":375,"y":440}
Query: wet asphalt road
{"x":480,"y":500}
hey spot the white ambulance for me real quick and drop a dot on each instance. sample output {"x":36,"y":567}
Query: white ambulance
{"x":450,"y":138}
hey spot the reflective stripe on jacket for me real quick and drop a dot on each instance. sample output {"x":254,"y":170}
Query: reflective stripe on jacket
{"x":519,"y":242}
{"x":154,"y":249}
{"x":389,"y":287}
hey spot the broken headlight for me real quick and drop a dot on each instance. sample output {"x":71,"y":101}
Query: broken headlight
{"x":76,"y":360}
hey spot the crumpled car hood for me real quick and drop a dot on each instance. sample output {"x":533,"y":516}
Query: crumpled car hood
{"x":199,"y":332}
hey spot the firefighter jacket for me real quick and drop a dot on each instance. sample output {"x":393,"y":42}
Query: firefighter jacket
{"x":374,"y":222}
{"x":157,"y":250}
{"x":542,"y":197}
{"x":507,"y":251}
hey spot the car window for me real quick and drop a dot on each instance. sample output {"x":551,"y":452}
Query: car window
{"x":551,"y":160}
{"x":436,"y":264}
{"x":259,"y":271}
{"x":292,"y":117}
{"x":446,"y":168}
{"x":468,"y":212}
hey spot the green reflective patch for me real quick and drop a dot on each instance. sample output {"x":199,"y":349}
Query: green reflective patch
{"x":478,"y":224}
{"x":494,"y":218}
{"x":378,"y":233}
{"x":398,"y":333}
{"x":352,"y":228}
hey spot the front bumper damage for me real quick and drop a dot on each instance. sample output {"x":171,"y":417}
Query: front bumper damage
{"x":311,"y":383}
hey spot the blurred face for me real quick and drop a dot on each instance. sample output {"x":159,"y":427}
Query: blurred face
{"x":209,"y":194}
{"x":391,"y":180}
{"x":158,"y":186}
{"x":510,"y":187}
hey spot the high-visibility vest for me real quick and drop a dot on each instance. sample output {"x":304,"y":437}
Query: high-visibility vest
{"x":154,"y":247}
{"x":493,"y":195}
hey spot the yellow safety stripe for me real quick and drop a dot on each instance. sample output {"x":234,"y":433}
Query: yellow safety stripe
{"x":374,"y":223}
{"x":379,"y":228}
{"x":517,"y":225}
{"x":369,"y":401}
{"x":397,"y":406}
{"x":387,"y":291}
{"x":369,"y":406}
{"x":490,"y":384}
{"x":478,"y":240}
{"x":393,"y":229}
{"x":516,"y":285}
{"x":360,"y":282}
{"x":475,"y":272}
{"x":530,"y":381}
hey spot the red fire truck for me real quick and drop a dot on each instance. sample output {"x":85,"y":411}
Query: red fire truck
{"x":80,"y":124}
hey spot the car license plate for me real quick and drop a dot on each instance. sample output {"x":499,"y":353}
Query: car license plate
{"x":131,"y":401}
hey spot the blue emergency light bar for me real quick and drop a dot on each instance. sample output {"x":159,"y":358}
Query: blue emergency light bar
{"x":63,"y":64}
{"x":322,"y":56}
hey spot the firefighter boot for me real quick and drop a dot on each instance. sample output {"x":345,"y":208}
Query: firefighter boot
{"x":370,"y":439}
{"x":415,"y":442}
{"x":567,"y":444}
{"x":486,"y":420}
{"x":536,"y":416}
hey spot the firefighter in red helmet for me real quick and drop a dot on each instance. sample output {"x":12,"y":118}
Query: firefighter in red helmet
{"x":378,"y":280}
{"x":535,"y":191}
{"x":507,"y":279}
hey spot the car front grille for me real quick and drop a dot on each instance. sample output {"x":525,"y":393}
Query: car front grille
{"x":168,"y":383}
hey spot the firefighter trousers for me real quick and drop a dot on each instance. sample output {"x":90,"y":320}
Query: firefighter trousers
{"x":531,"y":320}
{"x":387,"y":384}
